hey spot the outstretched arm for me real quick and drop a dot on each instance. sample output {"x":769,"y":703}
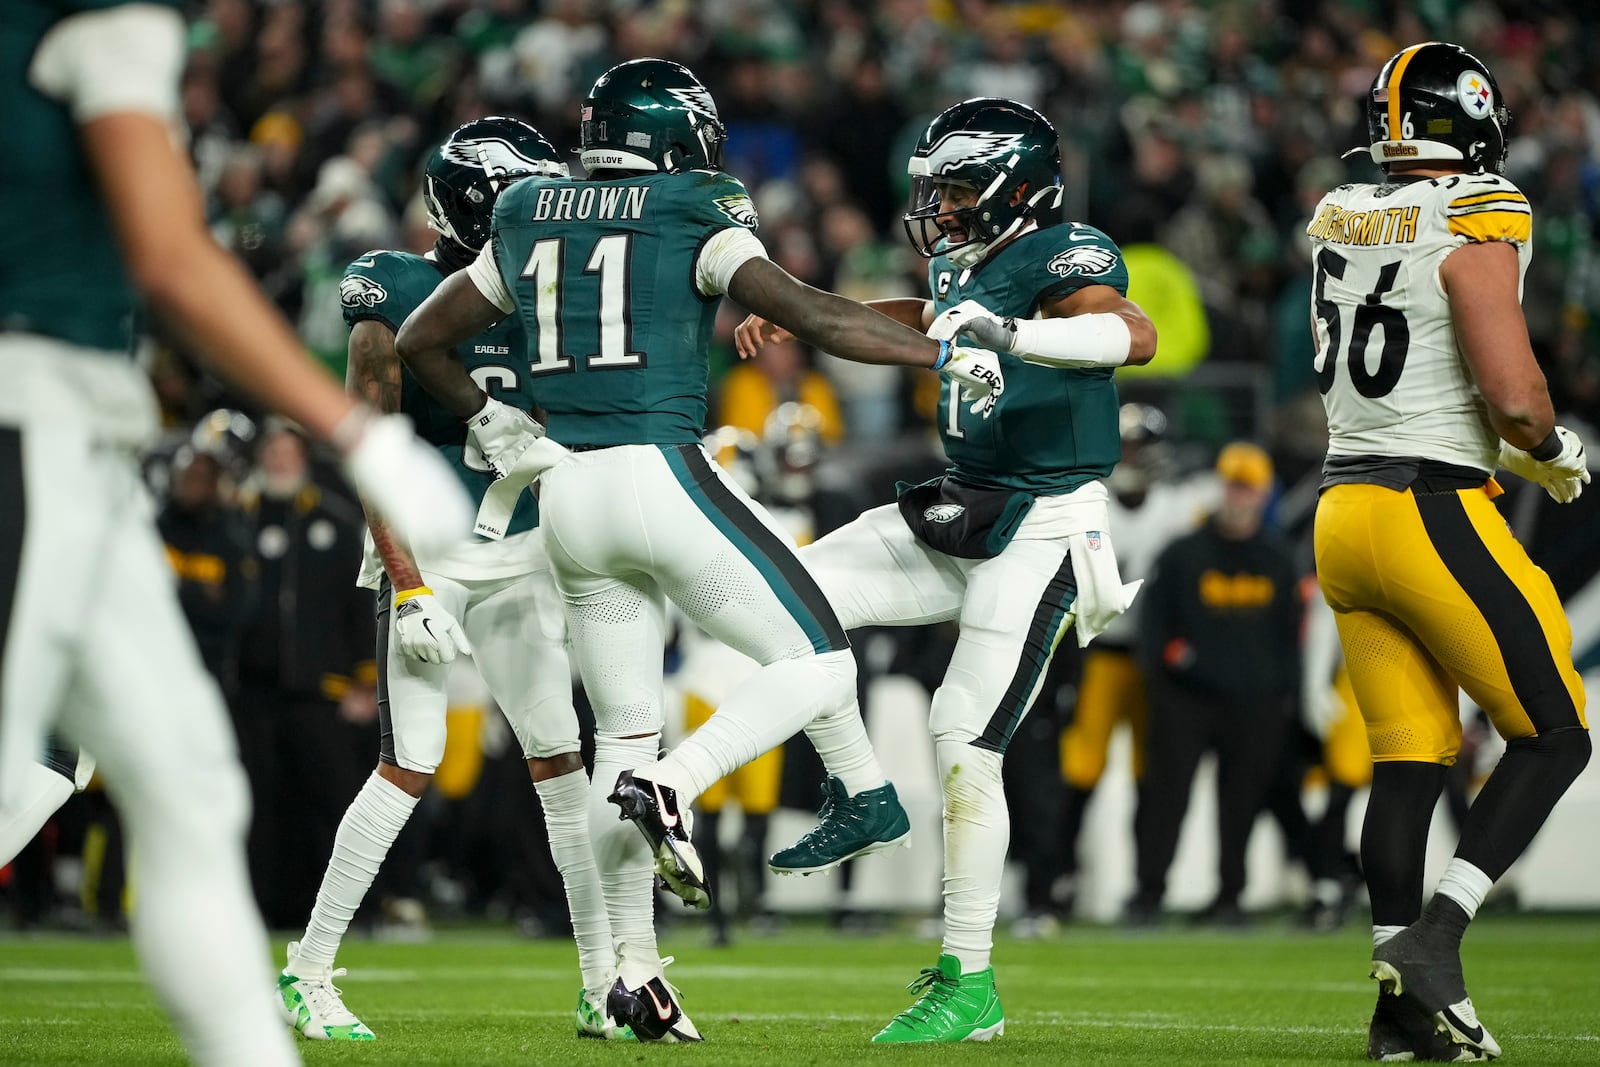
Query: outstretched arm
{"x":832,"y":323}
{"x":373,"y":375}
{"x":455,"y":312}
{"x":755,"y":332}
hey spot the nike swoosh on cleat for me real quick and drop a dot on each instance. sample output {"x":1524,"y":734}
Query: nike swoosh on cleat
{"x":667,"y":820}
{"x":662,"y":1011}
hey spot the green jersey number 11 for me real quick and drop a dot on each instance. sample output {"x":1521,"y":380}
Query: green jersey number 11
{"x":610,"y":260}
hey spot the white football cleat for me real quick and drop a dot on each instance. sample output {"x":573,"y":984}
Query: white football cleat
{"x":311,"y":1003}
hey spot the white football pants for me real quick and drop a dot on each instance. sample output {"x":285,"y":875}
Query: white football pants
{"x":92,"y":640}
{"x":518,"y":636}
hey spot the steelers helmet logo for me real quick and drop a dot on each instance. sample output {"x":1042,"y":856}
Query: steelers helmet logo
{"x":1472,"y":89}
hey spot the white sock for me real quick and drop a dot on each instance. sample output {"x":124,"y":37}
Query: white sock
{"x":840,"y":739}
{"x":1380,"y":934}
{"x":366,"y":833}
{"x":44,"y":791}
{"x":977,"y":830}
{"x":627,"y":869}
{"x":764,"y":711}
{"x":196,"y":927}
{"x":1465,"y":884}
{"x":566,"y":819}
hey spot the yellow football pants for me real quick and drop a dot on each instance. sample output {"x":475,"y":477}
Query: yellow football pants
{"x":1432,"y":594}
{"x":1111,"y":690}
{"x":753,"y":787}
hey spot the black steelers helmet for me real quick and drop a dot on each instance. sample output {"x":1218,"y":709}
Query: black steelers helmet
{"x":466,"y":174}
{"x":1437,"y":101}
{"x":998,"y":148}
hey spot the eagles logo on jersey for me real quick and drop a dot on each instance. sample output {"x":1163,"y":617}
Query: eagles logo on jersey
{"x":740,"y":209}
{"x":1083,"y":259}
{"x":357,"y":290}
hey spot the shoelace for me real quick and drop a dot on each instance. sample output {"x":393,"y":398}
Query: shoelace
{"x":934,"y":990}
{"x":325,"y":998}
{"x":825,"y":829}
{"x":667,"y":961}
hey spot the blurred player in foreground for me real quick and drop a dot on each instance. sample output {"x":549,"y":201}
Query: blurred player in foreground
{"x":101,"y":214}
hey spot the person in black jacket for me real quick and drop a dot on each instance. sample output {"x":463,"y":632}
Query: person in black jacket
{"x":1220,"y":641}
{"x":307,"y":700}
{"x":208,"y":546}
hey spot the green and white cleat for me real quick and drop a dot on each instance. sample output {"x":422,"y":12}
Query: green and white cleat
{"x":592,"y":1022}
{"x":952,"y":1007}
{"x":847,"y":827}
{"x":310,"y":1003}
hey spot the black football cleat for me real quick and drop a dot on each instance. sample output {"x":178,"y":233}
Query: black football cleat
{"x":1401,"y":1032}
{"x":1424,"y":966}
{"x":653,"y":808}
{"x":651,"y":1010}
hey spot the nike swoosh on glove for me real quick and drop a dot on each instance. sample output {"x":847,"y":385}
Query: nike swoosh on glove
{"x":1562,"y":477}
{"x":502,"y":433}
{"x":424,"y":630}
{"x":977,"y":372}
{"x":407,"y":481}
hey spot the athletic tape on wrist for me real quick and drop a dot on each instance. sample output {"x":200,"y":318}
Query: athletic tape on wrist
{"x":402,"y":597}
{"x":945,"y":348}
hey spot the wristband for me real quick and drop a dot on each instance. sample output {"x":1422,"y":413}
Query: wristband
{"x":1548,"y":449}
{"x":945,"y":349}
{"x":421,"y":590}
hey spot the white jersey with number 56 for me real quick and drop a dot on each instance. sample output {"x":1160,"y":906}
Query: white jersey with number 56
{"x":1392,"y":378}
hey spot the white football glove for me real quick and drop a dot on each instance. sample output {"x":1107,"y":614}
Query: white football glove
{"x":1562,"y":477}
{"x":977,"y":324}
{"x":977,"y":372}
{"x":407,"y":481}
{"x":501,"y":434}
{"x":425,"y":630}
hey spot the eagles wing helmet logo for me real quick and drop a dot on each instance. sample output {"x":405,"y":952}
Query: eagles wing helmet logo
{"x":495,"y":155}
{"x":963,"y":147}
{"x":357,"y":290}
{"x":739,"y":208}
{"x":695,"y":99}
{"x":1083,"y":259}
{"x":942,"y":513}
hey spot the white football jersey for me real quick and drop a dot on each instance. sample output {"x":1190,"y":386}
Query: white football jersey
{"x":1392,"y":378}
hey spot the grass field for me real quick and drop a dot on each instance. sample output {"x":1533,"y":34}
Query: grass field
{"x":1268,"y":996}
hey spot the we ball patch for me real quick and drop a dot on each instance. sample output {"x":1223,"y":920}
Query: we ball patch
{"x":942,"y":513}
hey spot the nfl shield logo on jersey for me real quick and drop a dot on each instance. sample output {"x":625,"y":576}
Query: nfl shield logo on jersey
{"x":1093,"y":539}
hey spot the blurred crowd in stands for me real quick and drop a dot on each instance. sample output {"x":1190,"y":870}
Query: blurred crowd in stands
{"x":1197,"y":134}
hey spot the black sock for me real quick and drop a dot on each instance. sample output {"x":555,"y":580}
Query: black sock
{"x":1445,"y":916}
{"x":1394,"y":837}
{"x":1519,"y":795}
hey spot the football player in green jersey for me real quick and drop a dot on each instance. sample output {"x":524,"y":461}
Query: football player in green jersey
{"x":1013,"y":541}
{"x":99,"y":215}
{"x":617,"y":280}
{"x":501,"y":591}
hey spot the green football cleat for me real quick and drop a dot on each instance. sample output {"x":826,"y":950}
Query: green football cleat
{"x":312,"y":1004}
{"x":847,"y":827}
{"x":592,"y":1022}
{"x":953,"y":1007}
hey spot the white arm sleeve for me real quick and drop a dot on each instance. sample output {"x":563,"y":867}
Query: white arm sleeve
{"x":126,"y":58}
{"x":722,"y":256}
{"x":1098,"y":340}
{"x":485,"y":274}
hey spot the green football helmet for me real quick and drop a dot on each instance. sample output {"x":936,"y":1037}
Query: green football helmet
{"x":1004,"y":151}
{"x":650,"y":115}
{"x":467,"y":173}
